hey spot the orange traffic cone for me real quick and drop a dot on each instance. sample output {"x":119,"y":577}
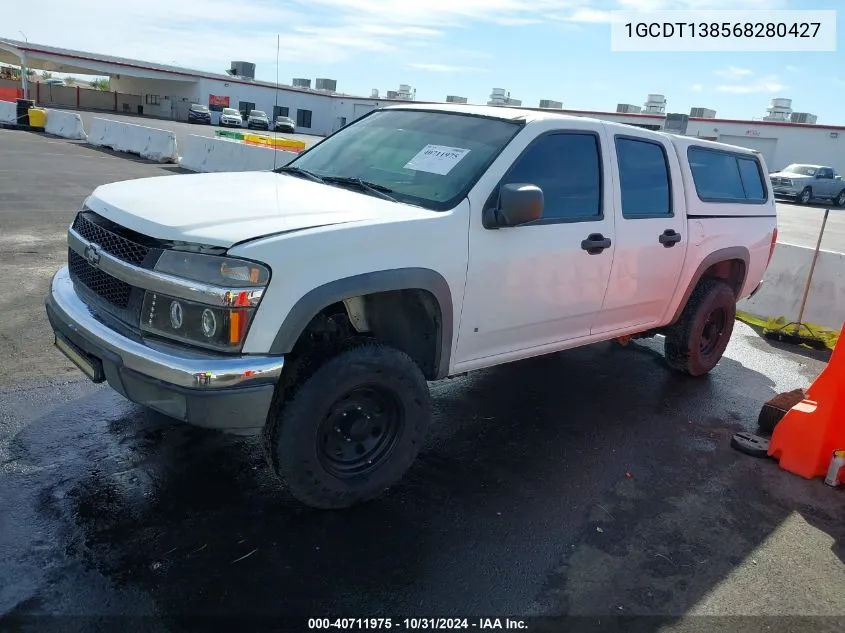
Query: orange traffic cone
{"x":809,"y":433}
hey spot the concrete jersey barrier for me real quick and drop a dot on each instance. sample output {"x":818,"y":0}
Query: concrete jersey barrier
{"x":65,"y":124}
{"x":147,"y":142}
{"x":207,"y":154}
{"x":783,"y":288}
{"x":8,"y":112}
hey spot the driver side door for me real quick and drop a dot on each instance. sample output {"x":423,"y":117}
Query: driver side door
{"x":535,"y":287}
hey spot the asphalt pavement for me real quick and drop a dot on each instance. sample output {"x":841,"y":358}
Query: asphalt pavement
{"x":801,"y":225}
{"x":592,"y":484}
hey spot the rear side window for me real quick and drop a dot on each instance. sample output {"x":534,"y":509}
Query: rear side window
{"x":752,"y":183}
{"x":644,"y":179}
{"x":721,"y":176}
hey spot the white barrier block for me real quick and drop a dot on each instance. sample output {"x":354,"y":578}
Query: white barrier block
{"x":8,"y":112}
{"x":98,"y":132}
{"x":194,"y":152}
{"x":148,"y":142}
{"x":65,"y":124}
{"x":783,"y":287}
{"x":208,"y":154}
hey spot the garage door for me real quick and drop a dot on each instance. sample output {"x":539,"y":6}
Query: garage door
{"x":766,"y":146}
{"x":360,"y":109}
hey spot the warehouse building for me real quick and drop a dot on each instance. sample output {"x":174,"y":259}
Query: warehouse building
{"x":159,"y":90}
{"x":137,"y":87}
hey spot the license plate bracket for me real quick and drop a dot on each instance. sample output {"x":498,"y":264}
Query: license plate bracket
{"x":90,"y":365}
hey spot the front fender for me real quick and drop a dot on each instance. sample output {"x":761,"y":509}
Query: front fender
{"x":309,"y":305}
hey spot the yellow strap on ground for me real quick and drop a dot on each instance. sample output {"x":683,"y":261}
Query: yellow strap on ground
{"x":773,"y":324}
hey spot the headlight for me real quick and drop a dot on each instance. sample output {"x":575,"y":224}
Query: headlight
{"x":222,"y":328}
{"x":213,"y":269}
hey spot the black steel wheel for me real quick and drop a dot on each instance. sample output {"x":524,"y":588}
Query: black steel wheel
{"x":350,"y":426}
{"x":713,"y":330}
{"x":360,"y":431}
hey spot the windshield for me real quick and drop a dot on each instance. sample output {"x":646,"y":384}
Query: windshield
{"x":199,"y":108}
{"x":231,"y":112}
{"x":431,"y":159}
{"x":803,"y":170}
{"x":257,"y":113}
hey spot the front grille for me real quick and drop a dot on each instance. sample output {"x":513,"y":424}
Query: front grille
{"x":114,"y":291}
{"x":113,"y":300}
{"x":109,"y":241}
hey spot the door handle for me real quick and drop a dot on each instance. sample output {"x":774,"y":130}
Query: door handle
{"x":669,"y":238}
{"x":595,"y":243}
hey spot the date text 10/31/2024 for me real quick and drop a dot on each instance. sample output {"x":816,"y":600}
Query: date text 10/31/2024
{"x":414,"y":624}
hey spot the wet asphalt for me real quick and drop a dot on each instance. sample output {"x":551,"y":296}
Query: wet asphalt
{"x":593,"y":483}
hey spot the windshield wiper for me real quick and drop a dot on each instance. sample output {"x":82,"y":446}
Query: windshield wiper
{"x":371,"y":187}
{"x":296,"y":171}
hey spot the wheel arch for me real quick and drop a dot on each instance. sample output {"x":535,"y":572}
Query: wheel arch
{"x":373,"y":283}
{"x":730,"y":264}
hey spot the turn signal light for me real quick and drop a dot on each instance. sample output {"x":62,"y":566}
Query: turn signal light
{"x":238,"y":320}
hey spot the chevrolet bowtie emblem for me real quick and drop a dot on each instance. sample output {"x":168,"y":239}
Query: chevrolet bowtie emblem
{"x":92,"y":255}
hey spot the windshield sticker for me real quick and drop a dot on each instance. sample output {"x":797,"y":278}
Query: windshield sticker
{"x":437,"y":159}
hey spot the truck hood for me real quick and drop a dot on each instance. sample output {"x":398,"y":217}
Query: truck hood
{"x":790,"y":175}
{"x":223,"y":209}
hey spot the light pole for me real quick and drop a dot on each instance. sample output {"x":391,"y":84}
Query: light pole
{"x":24,"y":84}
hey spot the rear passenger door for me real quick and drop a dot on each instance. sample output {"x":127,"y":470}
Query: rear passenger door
{"x":651,"y":233}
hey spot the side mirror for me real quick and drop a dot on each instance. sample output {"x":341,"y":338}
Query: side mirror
{"x":519,"y":203}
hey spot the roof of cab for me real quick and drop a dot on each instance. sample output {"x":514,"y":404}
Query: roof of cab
{"x":495,"y":112}
{"x":528,"y":116}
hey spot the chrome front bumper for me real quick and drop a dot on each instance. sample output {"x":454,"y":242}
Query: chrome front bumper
{"x":224,"y":392}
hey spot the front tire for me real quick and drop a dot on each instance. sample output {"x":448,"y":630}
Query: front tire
{"x":352,"y":427}
{"x":805,"y":196}
{"x":696,"y":343}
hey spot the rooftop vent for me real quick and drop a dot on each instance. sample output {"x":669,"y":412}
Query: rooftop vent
{"x":327,"y":85}
{"x":628,"y":108}
{"x":702,"y":113}
{"x":245,"y":70}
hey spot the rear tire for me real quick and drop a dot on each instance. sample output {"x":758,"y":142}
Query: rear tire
{"x":695,"y":344}
{"x":839,"y":200}
{"x":352,"y":427}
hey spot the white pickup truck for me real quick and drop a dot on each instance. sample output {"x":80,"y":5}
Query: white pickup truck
{"x":311,"y":304}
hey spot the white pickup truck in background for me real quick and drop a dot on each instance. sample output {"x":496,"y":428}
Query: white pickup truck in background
{"x":313,"y":303}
